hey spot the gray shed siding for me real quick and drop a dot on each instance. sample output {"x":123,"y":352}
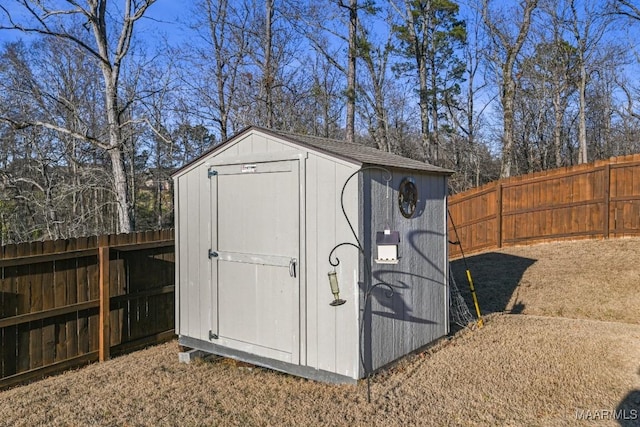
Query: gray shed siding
{"x":193,"y":240}
{"x":327,"y":340}
{"x":332,"y":332}
{"x":328,"y":335}
{"x":417,"y":313}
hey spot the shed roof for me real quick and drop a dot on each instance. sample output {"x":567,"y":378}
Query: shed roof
{"x":348,"y":151}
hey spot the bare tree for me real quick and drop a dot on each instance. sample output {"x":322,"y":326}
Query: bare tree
{"x":588,"y":27}
{"x":271,"y":90}
{"x":325,"y":92}
{"x":352,"y":10}
{"x":57,"y":20}
{"x":626,"y":8}
{"x":470,"y":154}
{"x":318,"y":24}
{"x":268,"y":71}
{"x":216,"y":58}
{"x":51,"y":81}
{"x":628,"y":129}
{"x":374,"y":86}
{"x":412,"y":30}
{"x":549,"y":77}
{"x":508,"y":43}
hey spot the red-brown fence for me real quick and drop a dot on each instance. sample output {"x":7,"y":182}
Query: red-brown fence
{"x":68,"y":302}
{"x":595,"y":200}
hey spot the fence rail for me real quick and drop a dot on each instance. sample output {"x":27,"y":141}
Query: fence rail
{"x":69,"y":302}
{"x":596,"y":200}
{"x":65,"y":303}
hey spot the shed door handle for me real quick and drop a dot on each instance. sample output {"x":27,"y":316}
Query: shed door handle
{"x":292,"y":267}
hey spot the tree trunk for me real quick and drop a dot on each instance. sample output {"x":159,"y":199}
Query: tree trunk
{"x":351,"y":71}
{"x":423,"y":99}
{"x":424,"y":110}
{"x":435,"y":138}
{"x":557,"y":128}
{"x":510,"y":49}
{"x":582,"y":115}
{"x":116,"y":153}
{"x":509,"y":89}
{"x":381,"y":132}
{"x":121,"y":190}
{"x":268,"y":72}
{"x":110,"y":51}
{"x":377,"y":68}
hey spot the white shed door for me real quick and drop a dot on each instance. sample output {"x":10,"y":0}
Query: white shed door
{"x":258,"y":235}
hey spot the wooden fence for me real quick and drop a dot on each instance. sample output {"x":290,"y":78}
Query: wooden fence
{"x":69,"y":302}
{"x":596,"y":200}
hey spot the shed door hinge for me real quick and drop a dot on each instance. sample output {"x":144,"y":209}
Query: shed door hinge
{"x":211,"y":173}
{"x":212,"y":336}
{"x":213,"y":254}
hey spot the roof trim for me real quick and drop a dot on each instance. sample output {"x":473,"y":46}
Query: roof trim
{"x":349,"y":152}
{"x":210,"y":151}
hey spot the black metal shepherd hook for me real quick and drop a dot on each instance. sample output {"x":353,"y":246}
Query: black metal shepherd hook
{"x":337,"y":261}
{"x":368,"y":274}
{"x":357,"y":245}
{"x":333,"y":281}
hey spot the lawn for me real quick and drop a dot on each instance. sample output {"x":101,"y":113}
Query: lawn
{"x":561,"y":346}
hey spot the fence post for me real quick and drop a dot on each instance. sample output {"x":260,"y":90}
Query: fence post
{"x":105,"y":331}
{"x":499,"y":214}
{"x":607,"y":198}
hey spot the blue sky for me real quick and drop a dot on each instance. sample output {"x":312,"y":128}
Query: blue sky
{"x":164,"y":15}
{"x":161,"y":19}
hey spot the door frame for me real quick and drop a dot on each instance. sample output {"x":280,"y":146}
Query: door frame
{"x":298,"y":355}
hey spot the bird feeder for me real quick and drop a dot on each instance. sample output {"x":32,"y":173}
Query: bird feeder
{"x":387,"y":242}
{"x":335,"y":289}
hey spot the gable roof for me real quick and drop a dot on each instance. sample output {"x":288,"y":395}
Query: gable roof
{"x":354,"y":152}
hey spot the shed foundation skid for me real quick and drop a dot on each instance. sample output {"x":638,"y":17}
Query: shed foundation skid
{"x":289,"y":368}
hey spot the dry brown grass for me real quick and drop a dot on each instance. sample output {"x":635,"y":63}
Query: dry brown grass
{"x":517,"y":370}
{"x":587,"y":279}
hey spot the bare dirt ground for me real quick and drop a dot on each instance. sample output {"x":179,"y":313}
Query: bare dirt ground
{"x":566,"y":358}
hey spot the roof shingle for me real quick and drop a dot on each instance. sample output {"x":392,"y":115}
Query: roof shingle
{"x":348,"y":151}
{"x":358,"y":152}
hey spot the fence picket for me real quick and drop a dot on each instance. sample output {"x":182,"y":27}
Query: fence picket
{"x":24,"y":306}
{"x":597,"y":200}
{"x":50,"y":304}
{"x":71,"y":298}
{"x":82,"y":289}
{"x":35,"y":339}
{"x":9,"y":308}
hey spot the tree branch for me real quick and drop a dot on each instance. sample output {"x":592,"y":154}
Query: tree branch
{"x":46,"y":31}
{"x":19,"y":125}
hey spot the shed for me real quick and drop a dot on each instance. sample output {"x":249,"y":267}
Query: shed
{"x":264,"y":218}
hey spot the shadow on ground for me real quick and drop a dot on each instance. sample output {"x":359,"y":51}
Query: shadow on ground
{"x":628,"y":411}
{"x":496,"y":277}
